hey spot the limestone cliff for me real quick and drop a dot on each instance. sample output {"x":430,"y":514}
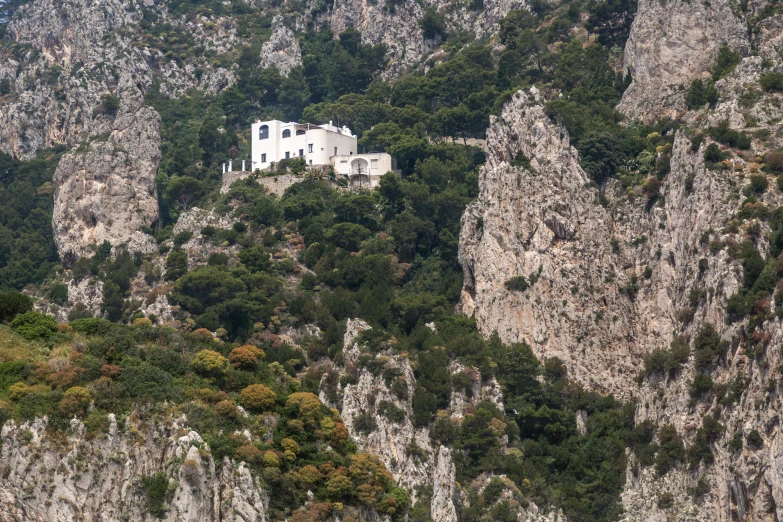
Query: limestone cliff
{"x":88,"y":477}
{"x":398,"y":28}
{"x":608,"y":276}
{"x":392,"y":441}
{"x":669,"y":47}
{"x":370,"y":387}
{"x":106,"y":190}
{"x":281,"y":50}
{"x":76,"y":53}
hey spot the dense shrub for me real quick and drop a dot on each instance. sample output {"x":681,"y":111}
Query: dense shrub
{"x":758,"y":184}
{"x":725,"y":62}
{"x":700,"y":93}
{"x":772,"y":81}
{"x":75,"y":401}
{"x":258,"y":397}
{"x":157,"y":489}
{"x":432,"y":24}
{"x":516,"y":284}
{"x":34,"y":325}
{"x":702,"y":383}
{"x":713,"y":154}
{"x":774,"y":161}
{"x":728,"y":136}
{"x":176,"y":265}
{"x":245,"y":357}
{"x":672,"y":449}
{"x":755,"y":440}
{"x":708,"y":346}
{"x":210,"y":362}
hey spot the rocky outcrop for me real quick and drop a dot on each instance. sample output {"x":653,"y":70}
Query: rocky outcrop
{"x":367,"y":395}
{"x":543,"y":224}
{"x":105,"y":190}
{"x":57,"y":91}
{"x":91,"y":477}
{"x":195,"y":219}
{"x":282,"y":49}
{"x":398,"y":27}
{"x":743,"y":483}
{"x":587,"y":301}
{"x":79,"y":52}
{"x":669,"y":46}
{"x":391,"y":440}
{"x":444,"y":488}
{"x":608,"y":280}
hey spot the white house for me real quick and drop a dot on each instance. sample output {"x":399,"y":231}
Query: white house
{"x":275,"y":140}
{"x":363,"y":170}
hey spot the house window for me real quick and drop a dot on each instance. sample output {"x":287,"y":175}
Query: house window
{"x":287,"y":133}
{"x":301,"y":152}
{"x":311,"y":162}
{"x":287,"y":155}
{"x":310,"y":148}
{"x":300,"y":132}
{"x":263,"y":158}
{"x":335,"y":151}
{"x":263,"y":132}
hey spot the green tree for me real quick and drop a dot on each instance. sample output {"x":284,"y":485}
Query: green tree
{"x":611,"y":20}
{"x":700,"y":93}
{"x":210,"y":363}
{"x":516,"y":21}
{"x":13,"y":304}
{"x":725,"y":62}
{"x":432,"y":24}
{"x":348,"y":235}
{"x":256,"y":259}
{"x":183,"y":190}
{"x":176,"y":265}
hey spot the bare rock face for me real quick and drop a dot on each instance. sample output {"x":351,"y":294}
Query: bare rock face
{"x":444,"y":488}
{"x":100,"y":478}
{"x":55,"y":99}
{"x":399,"y":29}
{"x":282,"y":49}
{"x":671,"y":45}
{"x":585,"y":299}
{"x":106,"y":190}
{"x":84,"y":51}
{"x":540,"y":223}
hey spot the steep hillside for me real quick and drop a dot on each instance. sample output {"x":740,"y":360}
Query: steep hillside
{"x":567,"y":307}
{"x":672,"y":263}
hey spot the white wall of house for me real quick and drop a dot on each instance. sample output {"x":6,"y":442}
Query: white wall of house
{"x":315,"y":143}
{"x":363,"y":169}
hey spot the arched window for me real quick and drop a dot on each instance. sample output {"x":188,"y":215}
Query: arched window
{"x":287,"y":133}
{"x":300,"y":132}
{"x":263,"y":132}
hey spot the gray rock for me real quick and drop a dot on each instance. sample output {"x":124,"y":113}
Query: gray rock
{"x":98,"y":479}
{"x":282,"y":49}
{"x":106,"y":190}
{"x":671,"y":45}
